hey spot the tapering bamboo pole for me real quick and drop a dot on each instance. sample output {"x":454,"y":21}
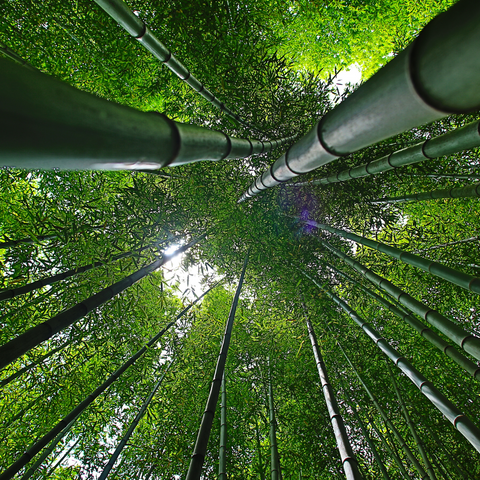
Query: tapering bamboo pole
{"x":133,"y":426}
{"x":468,"y":282}
{"x":222,"y":456}
{"x":45,"y":124}
{"x":464,"y":138}
{"x":411,"y":426}
{"x":62,"y":458}
{"x":275,"y":471}
{"x":347,"y":456}
{"x":460,"y":421}
{"x":259,"y":450}
{"x":468,"y":342}
{"x":38,"y":334}
{"x":43,"y":441}
{"x":120,"y":12}
{"x":418,"y":86}
{"x":472,"y":191}
{"x":468,"y":365}
{"x":200,"y":449}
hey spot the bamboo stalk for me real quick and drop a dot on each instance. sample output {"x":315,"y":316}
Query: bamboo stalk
{"x":7,"y":51}
{"x":15,"y":348}
{"x":347,"y":456}
{"x":43,"y":441}
{"x":415,"y":88}
{"x":460,"y":421}
{"x":275,"y":472}
{"x":468,"y":342}
{"x":45,"y":124}
{"x":456,"y":141}
{"x":468,"y":282}
{"x":470,"y":367}
{"x":259,"y":450}
{"x":222,"y":456}
{"x":132,"y":427}
{"x":472,"y":191}
{"x":27,"y":241}
{"x":120,"y":12}
{"x":62,"y":458}
{"x":200,"y":449}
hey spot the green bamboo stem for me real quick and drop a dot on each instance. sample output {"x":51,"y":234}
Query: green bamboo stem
{"x":443,"y":175}
{"x":200,"y":449}
{"x":27,"y":241}
{"x":21,"y":413}
{"x":43,"y":441}
{"x":120,"y":12}
{"x":48,"y":451}
{"x":7,"y":51}
{"x":411,"y":426}
{"x":468,"y":282}
{"x":62,"y":458}
{"x":468,"y":365}
{"x":275,"y":472}
{"x":460,"y":421}
{"x":259,"y":450}
{"x":347,"y":456}
{"x":132,"y":427}
{"x":464,"y":138}
{"x":472,"y":191}
{"x":38,"y":334}
{"x":222,"y":456}
{"x":45,"y":124}
{"x":468,"y":342}
{"x":30,"y":287}
{"x":411,"y":90}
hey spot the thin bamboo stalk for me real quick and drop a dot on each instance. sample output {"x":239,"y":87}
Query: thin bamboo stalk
{"x":62,"y":458}
{"x":7,"y":51}
{"x":132,"y":427}
{"x":22,"y":412}
{"x":460,"y":421}
{"x":413,"y":89}
{"x":464,"y":138}
{"x":259,"y":450}
{"x":472,"y":368}
{"x":472,"y":191}
{"x":411,"y":426}
{"x":275,"y":472}
{"x":443,"y":175}
{"x":448,"y":244}
{"x":468,"y":342}
{"x":347,"y":456}
{"x":222,"y":456}
{"x":468,"y":282}
{"x":27,"y":241}
{"x":120,"y":12}
{"x":38,"y":334}
{"x":69,"y":129}
{"x":43,"y":441}
{"x":200,"y":449}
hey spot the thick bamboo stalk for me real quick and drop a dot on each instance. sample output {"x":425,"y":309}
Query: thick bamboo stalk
{"x":120,"y":12}
{"x":132,"y":427}
{"x":200,"y":449}
{"x":472,"y":191}
{"x":464,"y":138}
{"x":30,"y":287}
{"x":222,"y":456}
{"x":460,"y":421}
{"x":43,"y":441}
{"x":468,"y":282}
{"x":45,"y":124}
{"x":411,"y":426}
{"x":468,"y":342}
{"x":275,"y":472}
{"x":468,"y":365}
{"x":415,"y":88}
{"x":347,"y":456}
{"x":38,"y":334}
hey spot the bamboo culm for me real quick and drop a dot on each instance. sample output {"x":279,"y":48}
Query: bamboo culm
{"x":261,"y":471}
{"x":468,"y":282}
{"x":200,"y":449}
{"x":38,"y":334}
{"x":73,"y":130}
{"x":411,"y":426}
{"x":62,"y":458}
{"x":348,"y":458}
{"x":460,"y":421}
{"x":411,"y":90}
{"x":27,"y":241}
{"x":120,"y":12}
{"x":222,"y":454}
{"x":132,"y":427}
{"x":275,"y":472}
{"x":468,"y":365}
{"x":472,"y":191}
{"x":468,"y":342}
{"x":43,"y":441}
{"x":464,"y":138}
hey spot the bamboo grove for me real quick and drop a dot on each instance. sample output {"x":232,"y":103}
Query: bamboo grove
{"x":163,"y":317}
